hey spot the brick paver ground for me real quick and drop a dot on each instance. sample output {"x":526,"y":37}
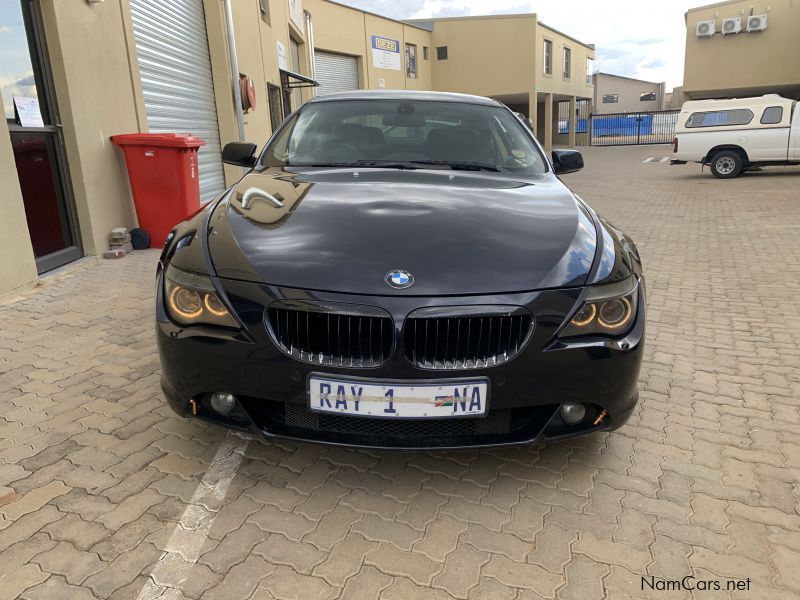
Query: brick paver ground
{"x":105,"y":493}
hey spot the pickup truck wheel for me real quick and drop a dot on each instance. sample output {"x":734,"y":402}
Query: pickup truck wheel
{"x":726,"y":164}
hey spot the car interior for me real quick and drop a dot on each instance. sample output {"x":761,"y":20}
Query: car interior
{"x":396,"y":132}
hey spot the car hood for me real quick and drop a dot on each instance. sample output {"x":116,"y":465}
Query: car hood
{"x":458,"y":233}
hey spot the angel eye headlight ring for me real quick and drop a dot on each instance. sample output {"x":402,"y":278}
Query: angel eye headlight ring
{"x":185,"y":302}
{"x":585,"y":315}
{"x":623,"y":316}
{"x":214,"y":305}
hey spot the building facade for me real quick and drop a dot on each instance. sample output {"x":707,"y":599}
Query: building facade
{"x":742,"y":48}
{"x":79,"y":72}
{"x":618,"y":94}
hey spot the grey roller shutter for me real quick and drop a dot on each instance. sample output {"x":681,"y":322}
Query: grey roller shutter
{"x":175,"y":69}
{"x":335,"y":72}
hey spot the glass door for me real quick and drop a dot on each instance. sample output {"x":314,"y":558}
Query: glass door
{"x":32,"y":116}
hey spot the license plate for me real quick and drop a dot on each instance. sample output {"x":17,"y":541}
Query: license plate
{"x":407,"y":400}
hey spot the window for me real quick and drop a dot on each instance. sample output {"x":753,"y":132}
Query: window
{"x":548,"y":57}
{"x":372,"y":133}
{"x":610,"y":98}
{"x":589,"y":70}
{"x":567,"y":62}
{"x":294,"y":51}
{"x":441,"y":53}
{"x":263,"y":7}
{"x":275,"y":107}
{"x":411,"y":61}
{"x":772,"y":115}
{"x":719,"y":118}
{"x":425,"y":52}
{"x":647,"y":97}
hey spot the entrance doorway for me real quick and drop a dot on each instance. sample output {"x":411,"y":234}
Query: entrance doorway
{"x":31,"y":112}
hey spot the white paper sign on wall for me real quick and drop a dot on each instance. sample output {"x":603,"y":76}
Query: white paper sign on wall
{"x":28,"y":112}
{"x":385,"y":53}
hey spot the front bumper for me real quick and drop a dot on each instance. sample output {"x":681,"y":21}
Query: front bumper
{"x":526,"y":392}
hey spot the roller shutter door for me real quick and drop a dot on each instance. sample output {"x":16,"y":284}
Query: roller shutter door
{"x":335,"y":72}
{"x":175,"y":69}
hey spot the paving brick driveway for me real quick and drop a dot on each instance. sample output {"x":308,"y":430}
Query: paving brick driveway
{"x":108,"y":494}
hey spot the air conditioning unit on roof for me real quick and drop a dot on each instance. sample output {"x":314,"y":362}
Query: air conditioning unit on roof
{"x":732,"y":25}
{"x":756,"y":22}
{"x":705,"y":28}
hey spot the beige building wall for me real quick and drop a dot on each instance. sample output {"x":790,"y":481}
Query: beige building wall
{"x":338,"y":28}
{"x":552,"y":88}
{"x":676,"y":98}
{"x":95,"y":94}
{"x":393,"y":79}
{"x":422,"y":39}
{"x":487,"y":56}
{"x":744,"y":64}
{"x":502,"y":56}
{"x":346,"y":30}
{"x":577,"y":84}
{"x":18,"y":266}
{"x":628,"y":92}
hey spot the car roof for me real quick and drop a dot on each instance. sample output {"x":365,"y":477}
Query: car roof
{"x":730,"y":103}
{"x":405,"y":95}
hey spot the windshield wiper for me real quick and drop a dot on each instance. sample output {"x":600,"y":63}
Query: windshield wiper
{"x":360,"y":163}
{"x":457,"y":165}
{"x":408,"y":164}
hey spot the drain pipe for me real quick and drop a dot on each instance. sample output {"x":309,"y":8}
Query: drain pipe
{"x":312,"y":65}
{"x":237,"y":92}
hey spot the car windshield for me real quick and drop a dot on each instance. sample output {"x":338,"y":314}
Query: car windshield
{"x":406,"y":134}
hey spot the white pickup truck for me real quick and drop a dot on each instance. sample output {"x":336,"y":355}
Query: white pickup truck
{"x":735,"y":135}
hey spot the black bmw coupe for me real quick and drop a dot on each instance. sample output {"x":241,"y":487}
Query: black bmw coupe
{"x":401,"y":270}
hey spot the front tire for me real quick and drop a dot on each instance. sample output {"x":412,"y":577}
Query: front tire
{"x":726,"y":164}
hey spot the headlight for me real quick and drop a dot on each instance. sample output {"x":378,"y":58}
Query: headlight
{"x":191,"y":300}
{"x":607,"y":310}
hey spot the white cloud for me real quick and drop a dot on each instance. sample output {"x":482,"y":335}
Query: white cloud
{"x":635,"y":38}
{"x":5,"y":29}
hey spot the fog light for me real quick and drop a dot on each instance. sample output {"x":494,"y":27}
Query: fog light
{"x":223,"y":402}
{"x":573,"y":413}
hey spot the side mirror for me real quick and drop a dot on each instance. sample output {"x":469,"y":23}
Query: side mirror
{"x":567,"y":161}
{"x":241,"y":154}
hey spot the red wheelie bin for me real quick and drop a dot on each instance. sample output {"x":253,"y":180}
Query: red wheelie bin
{"x":162,"y":170}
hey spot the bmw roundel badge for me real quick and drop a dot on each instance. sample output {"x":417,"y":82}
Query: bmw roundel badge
{"x":399,"y":279}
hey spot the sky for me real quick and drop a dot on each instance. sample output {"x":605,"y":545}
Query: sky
{"x":635,"y":38}
{"x":16,"y":74}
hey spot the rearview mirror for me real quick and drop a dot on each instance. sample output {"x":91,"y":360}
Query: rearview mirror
{"x":567,"y":161}
{"x":241,"y":154}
